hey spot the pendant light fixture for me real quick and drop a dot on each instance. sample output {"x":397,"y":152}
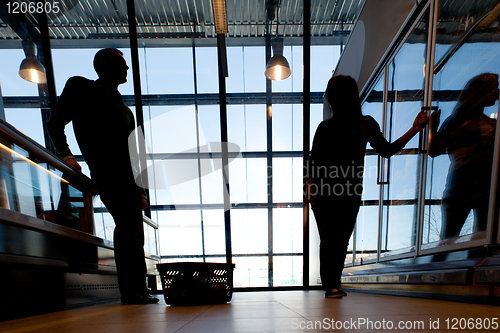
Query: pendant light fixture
{"x":277,"y":68}
{"x":31,"y":69}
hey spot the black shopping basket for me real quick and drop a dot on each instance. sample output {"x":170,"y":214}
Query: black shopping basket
{"x":191,"y":283}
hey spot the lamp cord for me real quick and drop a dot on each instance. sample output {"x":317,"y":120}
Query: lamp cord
{"x":278,"y":5}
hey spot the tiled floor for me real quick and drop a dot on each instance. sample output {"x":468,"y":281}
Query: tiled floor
{"x":279,"y":311}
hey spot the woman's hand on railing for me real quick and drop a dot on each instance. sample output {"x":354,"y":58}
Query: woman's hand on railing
{"x":74,"y":164}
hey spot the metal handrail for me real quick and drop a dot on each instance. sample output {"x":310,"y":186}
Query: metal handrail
{"x":34,"y":148}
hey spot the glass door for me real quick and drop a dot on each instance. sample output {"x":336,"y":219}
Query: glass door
{"x":400,"y":174}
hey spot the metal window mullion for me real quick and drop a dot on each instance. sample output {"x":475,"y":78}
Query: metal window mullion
{"x":381,"y":187}
{"x":429,"y":73}
{"x":306,"y":131}
{"x":196,"y":117}
{"x":269,"y":158}
{"x":48,"y":89}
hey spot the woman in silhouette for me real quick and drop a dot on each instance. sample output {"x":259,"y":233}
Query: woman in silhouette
{"x":335,"y":173}
{"x":468,"y":137}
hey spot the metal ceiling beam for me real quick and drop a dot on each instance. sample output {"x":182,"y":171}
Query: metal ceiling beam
{"x":19,"y":24}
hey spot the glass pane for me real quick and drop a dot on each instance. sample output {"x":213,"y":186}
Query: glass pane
{"x":247,"y":126}
{"x":99,"y":226}
{"x":213,"y":232}
{"x":315,"y":120}
{"x":211,"y":168}
{"x":37,"y":189}
{"x":366,"y":232}
{"x":249,"y":231}
{"x":283,"y":180}
{"x":254,"y":66}
{"x":248,"y":180}
{"x":367,"y":224}
{"x":287,"y":230}
{"x":149,"y":240}
{"x":207,"y":73}
{"x":246,"y":66}
{"x":27,"y":121}
{"x":297,"y":67}
{"x":287,"y":271}
{"x":283,"y":126}
{"x":173,"y":129}
{"x":235,"y":83}
{"x":350,"y":252}
{"x":103,"y":221}
{"x":182,"y":182}
{"x":462,"y":137}
{"x":374,"y":103}
{"x":324,"y":59}
{"x":251,"y":272}
{"x":209,"y":123}
{"x":405,"y":98}
{"x":174,"y":76}
{"x":180,"y":232}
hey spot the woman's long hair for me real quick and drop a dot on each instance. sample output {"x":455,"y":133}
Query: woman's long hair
{"x":343,"y":96}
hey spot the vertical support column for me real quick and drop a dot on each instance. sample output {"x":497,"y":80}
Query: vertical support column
{"x":223,"y":73}
{"x":134,"y":52}
{"x":306,"y":114}
{"x":269,"y":127}
{"x":48,"y":90}
{"x":87,"y":213}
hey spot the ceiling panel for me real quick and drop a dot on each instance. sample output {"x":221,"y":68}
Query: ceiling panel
{"x":82,"y":19}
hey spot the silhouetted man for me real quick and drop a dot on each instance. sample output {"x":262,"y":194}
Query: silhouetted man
{"x":102,"y":124}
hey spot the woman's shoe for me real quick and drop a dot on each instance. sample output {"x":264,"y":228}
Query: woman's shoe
{"x":335,"y":293}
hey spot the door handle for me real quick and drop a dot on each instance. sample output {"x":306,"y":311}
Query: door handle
{"x":382,"y":171}
{"x":423,"y":142}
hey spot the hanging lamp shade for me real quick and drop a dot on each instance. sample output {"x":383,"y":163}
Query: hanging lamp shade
{"x":31,"y":69}
{"x":278,"y":68}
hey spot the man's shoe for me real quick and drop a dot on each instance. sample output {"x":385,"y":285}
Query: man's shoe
{"x":334,"y":293}
{"x":139,"y":299}
{"x":150,"y":298}
{"x":342,"y":292}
